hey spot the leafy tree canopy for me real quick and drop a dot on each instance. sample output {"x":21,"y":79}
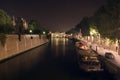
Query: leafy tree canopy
{"x":5,"y":22}
{"x":34,"y":26}
{"x":108,"y":19}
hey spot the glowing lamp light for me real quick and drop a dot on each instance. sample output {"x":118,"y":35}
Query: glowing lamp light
{"x":30,"y":31}
{"x":43,"y":32}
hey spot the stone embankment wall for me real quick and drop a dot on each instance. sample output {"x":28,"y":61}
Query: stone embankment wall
{"x":14,"y":47}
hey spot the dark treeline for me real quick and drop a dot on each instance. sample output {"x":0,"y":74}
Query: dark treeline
{"x":106,"y":20}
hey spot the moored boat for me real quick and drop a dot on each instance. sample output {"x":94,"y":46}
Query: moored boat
{"x":87,"y":58}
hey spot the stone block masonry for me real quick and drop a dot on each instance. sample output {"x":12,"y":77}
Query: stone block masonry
{"x":14,"y":47}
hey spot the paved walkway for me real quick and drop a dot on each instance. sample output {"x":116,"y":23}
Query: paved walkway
{"x":101,"y":51}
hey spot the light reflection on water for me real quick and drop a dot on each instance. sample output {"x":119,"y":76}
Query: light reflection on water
{"x":53,"y":61}
{"x":21,"y":64}
{"x":59,"y":45}
{"x":26,"y":61}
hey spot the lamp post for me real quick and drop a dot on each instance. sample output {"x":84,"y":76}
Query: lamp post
{"x":91,"y":36}
{"x":30,"y":31}
{"x":99,"y":39}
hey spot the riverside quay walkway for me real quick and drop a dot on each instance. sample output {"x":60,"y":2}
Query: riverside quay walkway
{"x":112,"y":65}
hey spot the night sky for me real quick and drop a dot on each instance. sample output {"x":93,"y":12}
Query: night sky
{"x":55,"y":15}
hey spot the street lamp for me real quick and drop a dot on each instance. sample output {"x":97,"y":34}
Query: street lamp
{"x":30,"y":31}
{"x":99,"y":38}
{"x":93,"y":33}
{"x":43,"y":32}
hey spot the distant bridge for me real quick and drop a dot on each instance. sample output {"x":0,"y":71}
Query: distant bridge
{"x":58,"y":35}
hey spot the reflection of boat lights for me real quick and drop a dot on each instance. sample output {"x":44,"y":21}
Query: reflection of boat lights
{"x":63,"y":48}
{"x":56,"y":42}
{"x":63,"y":41}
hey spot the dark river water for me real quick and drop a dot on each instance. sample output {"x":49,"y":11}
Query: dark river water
{"x":55,"y":60}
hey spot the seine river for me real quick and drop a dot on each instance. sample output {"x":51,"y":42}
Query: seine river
{"x":55,"y":60}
